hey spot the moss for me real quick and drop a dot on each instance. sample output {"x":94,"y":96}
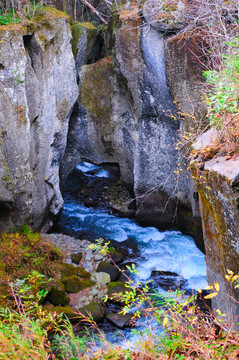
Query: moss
{"x":98,"y":103}
{"x":114,"y":288}
{"x":68,"y":270}
{"x":77,"y":30}
{"x":67,"y":312}
{"x":94,"y":310}
{"x":74,"y":284}
{"x":76,"y":258}
{"x":57,"y":295}
{"x":84,"y":274}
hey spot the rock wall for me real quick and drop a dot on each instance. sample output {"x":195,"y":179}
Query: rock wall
{"x":218,"y":188}
{"x":126,"y":115}
{"x":37,"y":92}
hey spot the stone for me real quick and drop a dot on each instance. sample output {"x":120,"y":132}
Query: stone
{"x":82,"y":273}
{"x":67,"y":312}
{"x":89,"y":255}
{"x":109,"y":269}
{"x":101,"y":278}
{"x":57,"y":295}
{"x":94,"y":310}
{"x":76,"y":258}
{"x":114,"y":288}
{"x":168,"y":280}
{"x":68,"y":270}
{"x":165,"y":16}
{"x":38,"y":90}
{"x":119,"y":320}
{"x":74,"y":284}
{"x":98,"y":257}
{"x":115,"y":255}
{"x":218,"y":188}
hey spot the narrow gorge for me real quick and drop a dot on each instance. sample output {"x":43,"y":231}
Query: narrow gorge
{"x":72,"y":93}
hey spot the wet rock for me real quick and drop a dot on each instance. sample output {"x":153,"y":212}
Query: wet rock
{"x":119,"y":320}
{"x":168,"y":280}
{"x":95,"y":309}
{"x":109,"y":269}
{"x":57,"y":295}
{"x":76,"y":258}
{"x":114,"y":289}
{"x":115,"y":255}
{"x":90,"y":201}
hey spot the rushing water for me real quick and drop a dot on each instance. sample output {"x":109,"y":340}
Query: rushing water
{"x":156,"y":250}
{"x":163,"y":251}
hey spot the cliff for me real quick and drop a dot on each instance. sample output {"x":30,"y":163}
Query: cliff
{"x":218,"y":187}
{"x":37,"y":92}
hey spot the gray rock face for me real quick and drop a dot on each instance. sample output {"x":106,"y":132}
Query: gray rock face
{"x":126,"y":116}
{"x":219,"y":200}
{"x":37,"y":92}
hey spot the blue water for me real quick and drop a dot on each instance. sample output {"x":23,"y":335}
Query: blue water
{"x":158,"y":250}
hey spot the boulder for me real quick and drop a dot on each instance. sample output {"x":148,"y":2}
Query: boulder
{"x":115,"y":255}
{"x":109,"y":269}
{"x":168,"y":280}
{"x":76,"y":258}
{"x":94,"y":310}
{"x":116,"y":288}
{"x":119,"y":320}
{"x":67,"y":312}
{"x":82,"y":273}
{"x":74,"y":284}
{"x":101,"y":278}
{"x":68,"y":270}
{"x":57,"y":295}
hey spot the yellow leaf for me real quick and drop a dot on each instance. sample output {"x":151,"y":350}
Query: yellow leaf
{"x":209,"y":287}
{"x":199,"y":290}
{"x":235,"y":277}
{"x":165,"y":320}
{"x":210,"y":296}
{"x":217,"y":286}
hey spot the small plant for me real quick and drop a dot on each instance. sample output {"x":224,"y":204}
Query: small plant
{"x":8,"y":18}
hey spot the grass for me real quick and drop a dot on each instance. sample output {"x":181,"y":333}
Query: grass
{"x":23,"y":252}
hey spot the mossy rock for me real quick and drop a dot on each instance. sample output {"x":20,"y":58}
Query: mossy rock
{"x":95,"y":310}
{"x":109,"y":269}
{"x":67,"y":312}
{"x":48,"y":306}
{"x":77,"y":30}
{"x":68,"y":270}
{"x":115,"y":255}
{"x":74,"y":284}
{"x":84,"y":274}
{"x":114,"y":288}
{"x":57,"y":295}
{"x":76,"y":258}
